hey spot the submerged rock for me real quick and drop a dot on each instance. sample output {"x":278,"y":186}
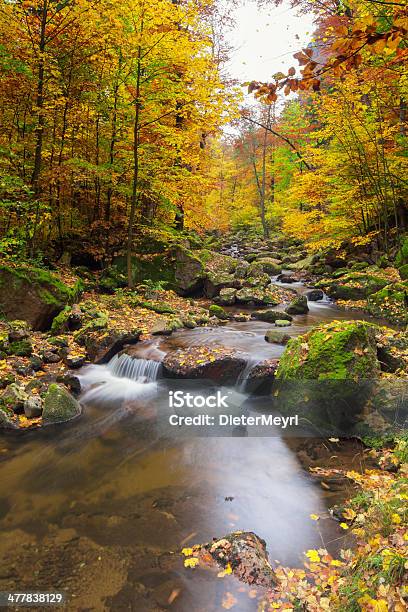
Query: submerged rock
{"x":245,"y":553}
{"x":283,"y":323}
{"x":219,"y":312}
{"x":59,"y":405}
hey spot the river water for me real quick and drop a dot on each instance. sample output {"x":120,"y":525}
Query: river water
{"x":98,"y":507}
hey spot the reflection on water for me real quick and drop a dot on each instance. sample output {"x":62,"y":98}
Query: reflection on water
{"x":96,"y":507}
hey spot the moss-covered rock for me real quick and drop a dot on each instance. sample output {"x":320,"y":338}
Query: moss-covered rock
{"x":111,"y":279}
{"x":270,"y":316}
{"x":219,"y":312}
{"x":274,"y":336}
{"x":271,"y":266}
{"x":390,"y":303}
{"x":34,"y":295}
{"x":354,"y":286}
{"x":403,"y":271}
{"x":283,"y":323}
{"x":21,"y":348}
{"x":189,"y":272}
{"x":402,"y":255}
{"x":59,"y":405}
{"x":7,"y":419}
{"x":338,"y":350}
{"x":256,"y":296}
{"x":227,"y":296}
{"x":298,"y":306}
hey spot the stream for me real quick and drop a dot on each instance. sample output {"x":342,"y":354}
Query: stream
{"x":96,"y":507}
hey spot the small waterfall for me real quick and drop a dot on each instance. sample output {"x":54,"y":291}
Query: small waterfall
{"x":124,"y":366}
{"x":243,"y":377}
{"x":123,"y":379}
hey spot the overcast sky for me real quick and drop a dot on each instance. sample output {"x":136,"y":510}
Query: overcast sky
{"x":264,"y":41}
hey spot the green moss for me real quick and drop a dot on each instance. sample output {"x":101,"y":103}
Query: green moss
{"x":218,"y":311}
{"x":403,"y":271}
{"x":402,"y":255}
{"x":59,"y":405}
{"x":339,"y":350}
{"x":390,"y":303}
{"x":20,"y":348}
{"x":59,"y":322}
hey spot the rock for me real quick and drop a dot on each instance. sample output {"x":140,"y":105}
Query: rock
{"x":315,"y":295}
{"x":101,"y":347}
{"x":227,"y":297}
{"x":276,"y":337}
{"x":245,"y":553}
{"x":354,"y":286}
{"x":33,"y":407}
{"x":18,"y":330}
{"x":273,"y":267}
{"x":283,"y":323}
{"x":59,"y":405}
{"x":302,"y":264}
{"x":111,"y":279}
{"x":402,"y":255}
{"x":252,"y":295}
{"x":241,"y":269}
{"x":69,"y":319}
{"x":189,"y":272}
{"x":34,"y":295}
{"x":20,"y":348}
{"x":51,"y":357}
{"x":161,"y":328}
{"x":286,"y":278}
{"x":219,"y":312}
{"x":261,"y":377}
{"x":199,"y":362}
{"x":338,"y":350}
{"x":6,"y":419}
{"x":391,"y":350}
{"x":14,"y":397}
{"x":403,"y":271}
{"x":298,"y":306}
{"x":270,"y":316}
{"x":390,"y":303}
{"x":36,"y":363}
{"x":262,"y":280}
{"x":189,"y":323}
{"x":72,"y":382}
{"x":75,"y":361}
{"x":215,"y":282}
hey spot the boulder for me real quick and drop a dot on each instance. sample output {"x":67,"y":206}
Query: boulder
{"x":20,"y":348}
{"x":255,"y":296}
{"x":227,"y":296}
{"x":276,"y":337}
{"x":220,"y":365}
{"x":338,"y":350}
{"x":34,"y":295}
{"x":112,"y":279}
{"x":354,"y":286}
{"x":315,"y":295}
{"x":298,"y":306}
{"x":271,"y":266}
{"x":302,"y":264}
{"x":189,"y":273}
{"x":216,"y":281}
{"x":103,"y":345}
{"x":161,"y":328}
{"x":18,"y":330}
{"x":59,"y":405}
{"x":219,"y":312}
{"x":286,"y":278}
{"x":14,"y":397}
{"x":390,"y":303}
{"x":270,"y":316}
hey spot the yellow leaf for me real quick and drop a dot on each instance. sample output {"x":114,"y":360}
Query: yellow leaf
{"x":191,"y":562}
{"x":313,"y":555}
{"x":314,"y":517}
{"x":187,"y":552}
{"x":344,"y":525}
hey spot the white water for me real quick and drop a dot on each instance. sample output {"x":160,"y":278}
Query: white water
{"x":122,"y":379}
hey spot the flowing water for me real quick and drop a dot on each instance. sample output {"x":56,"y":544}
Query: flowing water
{"x":96,"y":507}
